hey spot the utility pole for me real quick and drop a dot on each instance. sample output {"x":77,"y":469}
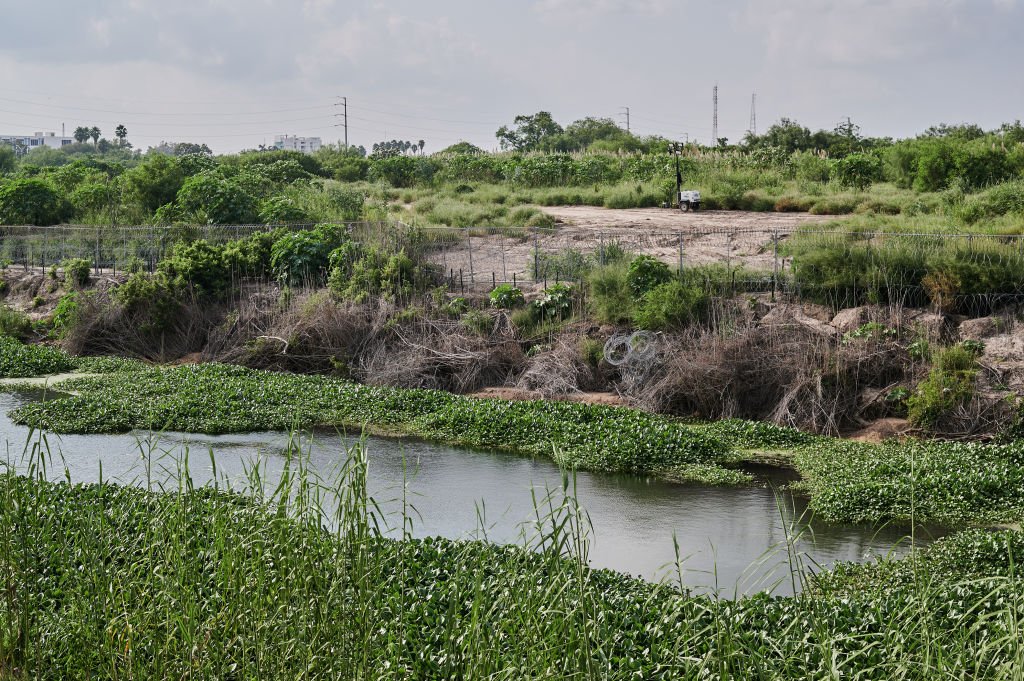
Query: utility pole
{"x":714,"y":120}
{"x":753,"y":114}
{"x":627,"y":117}
{"x":344,"y":104}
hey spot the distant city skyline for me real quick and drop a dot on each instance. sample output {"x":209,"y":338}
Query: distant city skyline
{"x":236,"y":74}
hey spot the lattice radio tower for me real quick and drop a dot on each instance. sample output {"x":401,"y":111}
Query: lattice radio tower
{"x":714,"y":120}
{"x":753,"y":114}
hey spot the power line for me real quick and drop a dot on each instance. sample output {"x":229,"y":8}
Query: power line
{"x":627,"y":117}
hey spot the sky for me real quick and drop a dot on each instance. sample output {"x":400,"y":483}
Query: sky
{"x":235,"y":73}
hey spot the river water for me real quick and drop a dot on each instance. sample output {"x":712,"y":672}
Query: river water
{"x":732,"y":540}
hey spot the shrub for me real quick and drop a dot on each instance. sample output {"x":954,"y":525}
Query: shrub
{"x":377,"y":273}
{"x":76,"y":271}
{"x":305,"y":256}
{"x":12,"y":322}
{"x":281,"y":209}
{"x":506,"y":296}
{"x":67,"y":315}
{"x":347,"y":202}
{"x":479,"y":322}
{"x":90,"y":198}
{"x":670,"y":306}
{"x":32,"y":201}
{"x":152,"y":298}
{"x":646,"y":273}
{"x":38,"y":301}
{"x":555,"y":302}
{"x":199,"y":264}
{"x":216,"y":200}
{"x":611,"y":294}
{"x":858,"y":169}
{"x":949,"y":384}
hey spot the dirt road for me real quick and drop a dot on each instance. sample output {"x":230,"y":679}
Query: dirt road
{"x":702,"y":237}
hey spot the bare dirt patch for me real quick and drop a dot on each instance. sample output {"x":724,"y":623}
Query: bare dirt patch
{"x":698,"y":238}
{"x":518,"y":394}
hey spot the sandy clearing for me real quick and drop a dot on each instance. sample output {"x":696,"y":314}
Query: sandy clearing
{"x":702,"y":237}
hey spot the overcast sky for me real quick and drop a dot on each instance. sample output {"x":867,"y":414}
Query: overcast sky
{"x":233,"y":73}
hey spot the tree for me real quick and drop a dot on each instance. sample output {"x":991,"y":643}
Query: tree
{"x":32,"y":201}
{"x":529,"y":133}
{"x":8,"y":159}
{"x":121,"y":133}
{"x":81,"y":134}
{"x":186,"y":148}
{"x":94,"y":133}
{"x":421,"y":144}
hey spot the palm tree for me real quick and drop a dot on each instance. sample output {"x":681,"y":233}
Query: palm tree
{"x":421,"y":143}
{"x":81,"y":134}
{"x":94,"y":133}
{"x":121,"y":132}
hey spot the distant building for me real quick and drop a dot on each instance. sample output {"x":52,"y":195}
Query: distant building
{"x":39,"y":139}
{"x":306,"y":145}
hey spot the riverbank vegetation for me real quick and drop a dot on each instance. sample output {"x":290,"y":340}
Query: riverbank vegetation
{"x":173,"y":581}
{"x":949,"y":483}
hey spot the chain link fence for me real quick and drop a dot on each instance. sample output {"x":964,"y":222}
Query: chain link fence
{"x":983,"y":271}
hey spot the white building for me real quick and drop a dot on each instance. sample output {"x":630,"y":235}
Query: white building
{"x":39,"y":139}
{"x":306,"y":145}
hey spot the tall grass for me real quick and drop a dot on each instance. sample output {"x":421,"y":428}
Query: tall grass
{"x":291,"y":576}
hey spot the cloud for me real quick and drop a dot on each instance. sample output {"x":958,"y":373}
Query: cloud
{"x":577,"y":9}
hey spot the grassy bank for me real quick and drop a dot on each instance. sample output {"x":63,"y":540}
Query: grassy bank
{"x":949,"y":483}
{"x":115,"y":582}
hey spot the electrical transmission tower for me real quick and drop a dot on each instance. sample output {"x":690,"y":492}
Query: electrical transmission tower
{"x":714,"y":121}
{"x":753,"y":114}
{"x":627,"y":116}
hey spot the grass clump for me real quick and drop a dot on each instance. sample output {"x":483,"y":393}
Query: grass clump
{"x":949,"y":385}
{"x":12,"y":322}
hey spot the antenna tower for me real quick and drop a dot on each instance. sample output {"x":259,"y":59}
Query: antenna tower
{"x":714,"y":123}
{"x":753,"y":114}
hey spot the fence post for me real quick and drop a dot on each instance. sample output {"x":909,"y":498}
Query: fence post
{"x":680,"y":235}
{"x":28,"y":260}
{"x":775,"y":264}
{"x":536,"y":256}
{"x":602,"y":248}
{"x":97,"y":266}
{"x":469,"y":241}
{"x":504,"y":272}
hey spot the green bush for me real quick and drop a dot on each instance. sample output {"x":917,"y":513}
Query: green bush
{"x":32,"y":201}
{"x":506,"y":296}
{"x":76,"y":271}
{"x":646,"y":273}
{"x":347,"y":202}
{"x":90,"y":198}
{"x":555,"y":302}
{"x":949,"y":384}
{"x":611,"y":294}
{"x":670,"y":306}
{"x":153,"y":298}
{"x":216,"y":200}
{"x":67,"y":314}
{"x":281,"y":209}
{"x":479,"y":322}
{"x":376,"y":272}
{"x":12,"y":322}
{"x":858,"y":169}
{"x":303,"y":257}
